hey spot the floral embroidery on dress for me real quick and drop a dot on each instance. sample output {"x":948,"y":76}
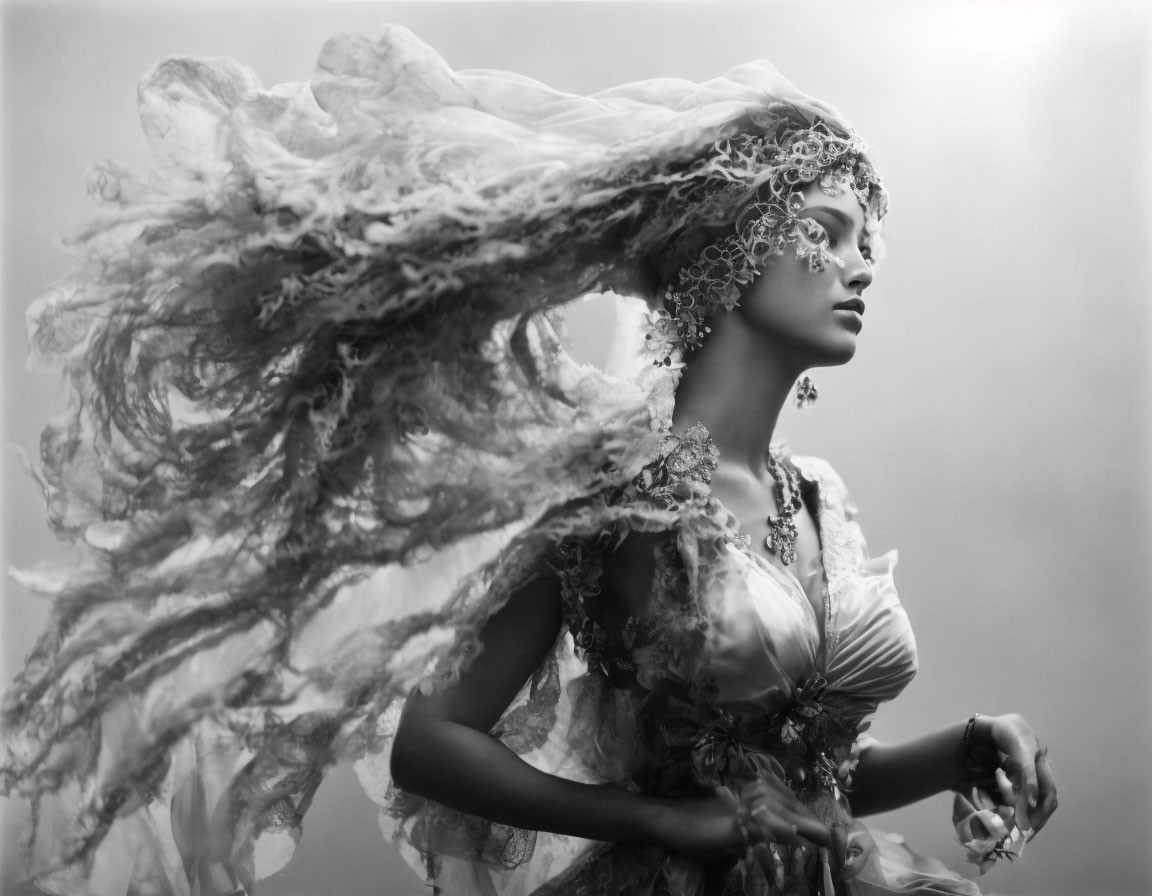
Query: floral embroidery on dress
{"x":677,"y":478}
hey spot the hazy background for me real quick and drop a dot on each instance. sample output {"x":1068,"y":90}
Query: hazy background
{"x":994,"y":425}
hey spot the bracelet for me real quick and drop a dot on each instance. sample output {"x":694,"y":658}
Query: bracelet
{"x":969,"y":728}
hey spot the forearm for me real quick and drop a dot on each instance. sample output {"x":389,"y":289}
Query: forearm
{"x":892,"y":775}
{"x":473,"y":772}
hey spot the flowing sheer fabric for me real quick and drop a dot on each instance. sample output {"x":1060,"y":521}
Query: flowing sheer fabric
{"x":321,"y":428}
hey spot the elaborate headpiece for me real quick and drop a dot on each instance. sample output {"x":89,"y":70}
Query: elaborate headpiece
{"x":794,"y":155}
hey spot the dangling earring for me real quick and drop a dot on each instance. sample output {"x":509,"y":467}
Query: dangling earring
{"x":806,"y":394}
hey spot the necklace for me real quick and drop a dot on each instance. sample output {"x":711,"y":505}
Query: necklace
{"x":782,"y":533}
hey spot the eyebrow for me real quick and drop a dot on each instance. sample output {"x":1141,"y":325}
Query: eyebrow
{"x":841,"y":216}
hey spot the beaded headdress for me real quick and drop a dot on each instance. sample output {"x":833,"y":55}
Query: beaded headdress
{"x":792,"y":158}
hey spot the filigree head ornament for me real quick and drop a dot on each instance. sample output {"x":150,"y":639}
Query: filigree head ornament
{"x":792,"y":159}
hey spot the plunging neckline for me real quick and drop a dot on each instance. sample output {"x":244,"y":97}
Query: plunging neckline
{"x":742,"y":543}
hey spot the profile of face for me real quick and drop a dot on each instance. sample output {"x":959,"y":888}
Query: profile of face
{"x":814,"y":318}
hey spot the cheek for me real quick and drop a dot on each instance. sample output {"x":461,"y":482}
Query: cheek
{"x":786,"y":297}
{"x":791,"y":308}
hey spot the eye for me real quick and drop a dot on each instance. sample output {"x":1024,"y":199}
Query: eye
{"x":816,"y":232}
{"x":866,"y":253}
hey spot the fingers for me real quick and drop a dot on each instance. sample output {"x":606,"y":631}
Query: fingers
{"x":778,"y":874}
{"x":1047,"y":785}
{"x":767,"y":858}
{"x":1016,"y":741}
{"x":1025,"y":765}
{"x":1025,"y":789}
{"x":799,"y":855}
{"x":814,"y":830}
{"x":781,"y":863}
{"x":788,"y":826}
{"x":783,"y":817}
{"x":1005,"y":788}
{"x":988,"y":782}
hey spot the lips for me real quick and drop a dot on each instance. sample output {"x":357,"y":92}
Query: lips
{"x":854,"y":304}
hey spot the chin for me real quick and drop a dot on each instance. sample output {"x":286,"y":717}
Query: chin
{"x":834,"y":354}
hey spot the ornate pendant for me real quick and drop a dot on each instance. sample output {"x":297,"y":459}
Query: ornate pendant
{"x":781,"y":540}
{"x":782,"y":533}
{"x":806,"y":393}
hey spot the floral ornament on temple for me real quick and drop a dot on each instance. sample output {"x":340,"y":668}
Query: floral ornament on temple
{"x":721,"y":273}
{"x":792,"y":159}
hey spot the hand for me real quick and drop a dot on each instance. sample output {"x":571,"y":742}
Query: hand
{"x":780,"y":830}
{"x":1020,"y":770}
{"x":708,"y":828}
{"x":780,"y":817}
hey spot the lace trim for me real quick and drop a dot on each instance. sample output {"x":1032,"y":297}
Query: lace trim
{"x":841,"y":541}
{"x":676,"y":479}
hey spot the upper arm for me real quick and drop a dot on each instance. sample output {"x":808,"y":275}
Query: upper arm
{"x":516,"y":640}
{"x":625,"y":583}
{"x":514,"y":643}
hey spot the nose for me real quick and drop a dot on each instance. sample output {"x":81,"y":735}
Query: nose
{"x":858,"y":272}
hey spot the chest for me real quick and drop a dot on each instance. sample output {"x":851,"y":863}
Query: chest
{"x":754,"y":505}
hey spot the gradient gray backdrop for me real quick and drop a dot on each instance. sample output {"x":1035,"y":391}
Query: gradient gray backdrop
{"x":994,"y":425}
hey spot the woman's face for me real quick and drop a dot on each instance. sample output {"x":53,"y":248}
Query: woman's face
{"x":814,"y":318}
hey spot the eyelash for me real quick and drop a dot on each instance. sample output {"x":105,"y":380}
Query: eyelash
{"x":830,"y":235}
{"x":865,"y":252}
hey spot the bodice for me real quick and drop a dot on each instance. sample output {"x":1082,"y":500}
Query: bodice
{"x":766,"y":638}
{"x":730,"y":670}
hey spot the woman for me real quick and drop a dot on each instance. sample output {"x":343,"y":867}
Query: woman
{"x":312,"y":349}
{"x":804,"y":309}
{"x":790,"y":319}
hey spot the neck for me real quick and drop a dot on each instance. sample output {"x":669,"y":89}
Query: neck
{"x":736,"y":385}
